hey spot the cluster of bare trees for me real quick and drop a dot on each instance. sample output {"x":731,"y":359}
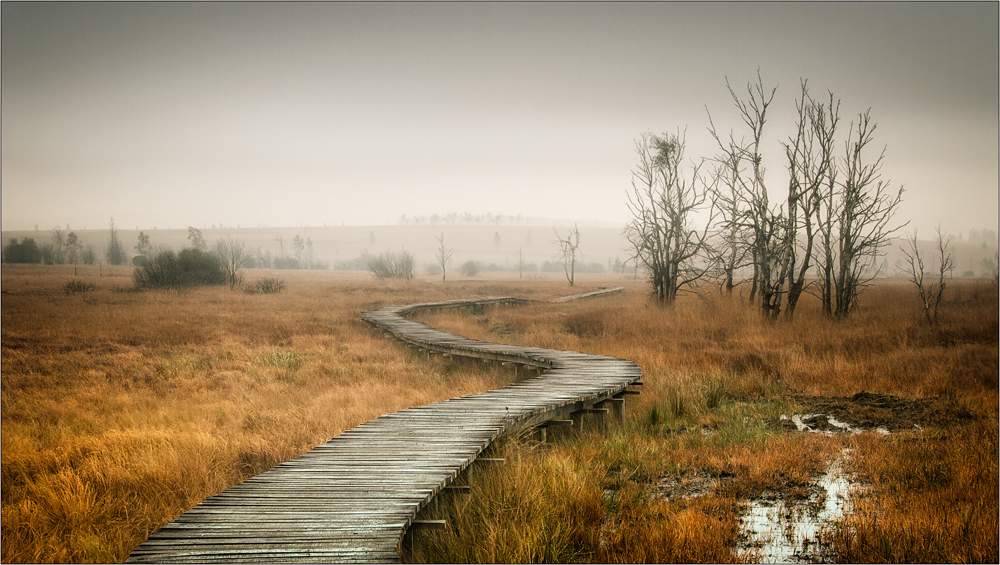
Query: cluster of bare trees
{"x":823,"y":236}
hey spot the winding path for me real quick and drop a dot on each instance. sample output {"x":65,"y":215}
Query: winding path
{"x":353,"y":498}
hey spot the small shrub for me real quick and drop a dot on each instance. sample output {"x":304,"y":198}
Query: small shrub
{"x":471,"y":268}
{"x":391,"y":265}
{"x":78,"y":287}
{"x":266,"y":285}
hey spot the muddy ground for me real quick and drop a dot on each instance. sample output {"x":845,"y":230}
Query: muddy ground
{"x":786,"y":525}
{"x":866,"y":411}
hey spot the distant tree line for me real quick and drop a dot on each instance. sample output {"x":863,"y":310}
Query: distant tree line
{"x":63,"y":248}
{"x":464,"y":219}
{"x":986,"y":236}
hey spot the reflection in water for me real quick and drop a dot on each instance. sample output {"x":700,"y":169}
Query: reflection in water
{"x":781,"y":531}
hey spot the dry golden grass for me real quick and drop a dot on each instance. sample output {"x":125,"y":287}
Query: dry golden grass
{"x":120,"y":411}
{"x":932,"y":498}
{"x":715,"y":375}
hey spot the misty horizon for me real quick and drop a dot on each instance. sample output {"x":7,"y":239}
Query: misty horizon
{"x":354,"y":114}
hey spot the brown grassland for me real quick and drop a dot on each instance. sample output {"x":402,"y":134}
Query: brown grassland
{"x":122,"y":410}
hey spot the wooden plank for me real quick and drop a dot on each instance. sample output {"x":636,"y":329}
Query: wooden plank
{"x":352,"y":498}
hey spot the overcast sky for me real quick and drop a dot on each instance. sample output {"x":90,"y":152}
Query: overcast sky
{"x":279,"y":114}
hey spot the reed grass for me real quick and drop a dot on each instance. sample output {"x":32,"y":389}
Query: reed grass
{"x":715,"y":374}
{"x":121,"y":410}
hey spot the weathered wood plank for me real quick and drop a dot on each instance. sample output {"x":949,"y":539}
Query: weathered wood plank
{"x":352,"y":498}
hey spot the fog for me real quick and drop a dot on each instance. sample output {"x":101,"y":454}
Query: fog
{"x":312,"y":114}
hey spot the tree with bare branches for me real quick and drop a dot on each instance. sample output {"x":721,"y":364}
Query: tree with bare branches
{"x":812,"y":174}
{"x":837,"y":214}
{"x":234,"y":254}
{"x":930,"y":291}
{"x":443,"y":255}
{"x":867,"y":206}
{"x":750,"y":213}
{"x":663,"y":202}
{"x":568,"y":247}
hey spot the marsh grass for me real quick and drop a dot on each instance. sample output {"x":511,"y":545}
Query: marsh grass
{"x":715,"y":374}
{"x":122,"y":410}
{"x":932,"y":498}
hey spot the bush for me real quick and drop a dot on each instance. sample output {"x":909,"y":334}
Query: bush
{"x":26,"y":251}
{"x":78,"y":287}
{"x":471,"y":268}
{"x":265,"y":286}
{"x":391,"y":265}
{"x":190,"y":267}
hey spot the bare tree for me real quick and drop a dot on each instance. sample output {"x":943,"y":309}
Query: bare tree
{"x":751,"y":213}
{"x":280,"y":240}
{"x":662,"y":203}
{"x":58,"y":246}
{"x":443,"y":255}
{"x":931,"y":291}
{"x":836,"y":215}
{"x":568,"y":247}
{"x":115,"y":252}
{"x":234,"y":255}
{"x":520,"y":263}
{"x":867,"y":205}
{"x":812,"y":174}
{"x":728,"y":250}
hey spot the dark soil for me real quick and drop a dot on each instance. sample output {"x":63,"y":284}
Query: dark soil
{"x":868,"y":411}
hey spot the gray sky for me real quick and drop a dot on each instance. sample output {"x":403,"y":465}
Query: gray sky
{"x":278,"y":114}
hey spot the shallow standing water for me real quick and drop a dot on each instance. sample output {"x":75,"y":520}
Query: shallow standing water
{"x":781,"y":531}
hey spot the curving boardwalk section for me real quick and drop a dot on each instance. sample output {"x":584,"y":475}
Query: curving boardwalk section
{"x":353,"y":498}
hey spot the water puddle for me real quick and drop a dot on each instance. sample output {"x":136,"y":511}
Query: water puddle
{"x":787,"y":531}
{"x":825,"y":423}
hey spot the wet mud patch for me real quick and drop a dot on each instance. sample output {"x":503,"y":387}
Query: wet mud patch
{"x":788,"y":523}
{"x":777,"y":528}
{"x":867,"y":411}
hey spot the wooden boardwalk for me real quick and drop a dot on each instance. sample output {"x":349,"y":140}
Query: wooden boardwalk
{"x":353,"y":498}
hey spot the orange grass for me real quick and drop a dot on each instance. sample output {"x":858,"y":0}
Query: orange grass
{"x":714,"y":374}
{"x":932,"y":498}
{"x":122,"y":410}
